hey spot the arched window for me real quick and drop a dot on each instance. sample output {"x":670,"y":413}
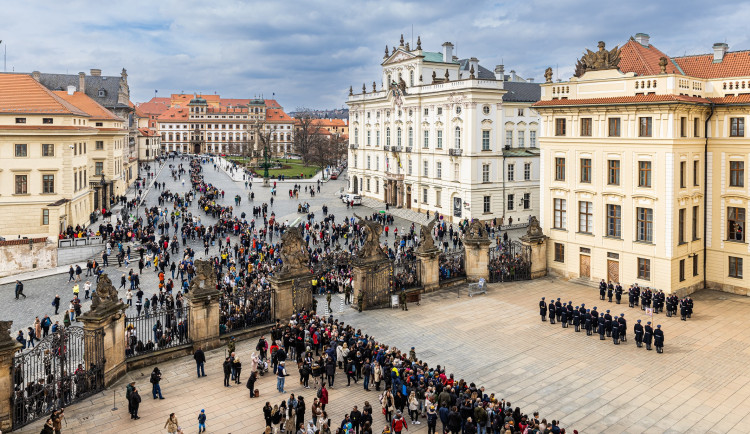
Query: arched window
{"x":458,"y":137}
{"x":411,"y":137}
{"x":398,"y":136}
{"x":388,"y":136}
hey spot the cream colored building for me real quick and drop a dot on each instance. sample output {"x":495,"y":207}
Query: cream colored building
{"x":643,"y":170}
{"x":446,"y":135}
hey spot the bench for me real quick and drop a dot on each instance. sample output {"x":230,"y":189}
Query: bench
{"x":478,"y":288}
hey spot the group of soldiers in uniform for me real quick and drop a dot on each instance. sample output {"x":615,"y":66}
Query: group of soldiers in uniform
{"x":604,"y":324}
{"x":648,"y":299}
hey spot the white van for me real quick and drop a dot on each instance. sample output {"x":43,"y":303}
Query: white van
{"x":349,"y":198}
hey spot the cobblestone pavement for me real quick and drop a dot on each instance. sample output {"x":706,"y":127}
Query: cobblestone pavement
{"x":699,"y":385}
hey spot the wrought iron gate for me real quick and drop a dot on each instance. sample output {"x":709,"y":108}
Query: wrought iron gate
{"x":406,"y":274}
{"x":376,"y":289}
{"x":452,"y":264}
{"x":64,"y":367}
{"x":509,"y":262}
{"x":302,"y":293}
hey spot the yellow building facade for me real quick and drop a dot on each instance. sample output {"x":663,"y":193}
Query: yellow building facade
{"x":643,"y":163}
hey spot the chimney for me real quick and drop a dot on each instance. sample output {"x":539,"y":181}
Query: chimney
{"x":720,"y":49}
{"x":96,"y":72}
{"x":530,"y":80}
{"x":71,"y":90}
{"x":36,"y":75}
{"x":500,"y":72}
{"x":447,"y":52}
{"x":642,"y":38}
{"x":513,"y":75}
{"x":82,"y":82}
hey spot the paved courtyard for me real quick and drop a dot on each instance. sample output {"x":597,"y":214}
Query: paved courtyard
{"x":699,"y":385}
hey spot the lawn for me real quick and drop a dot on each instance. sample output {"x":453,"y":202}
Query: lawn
{"x":291,"y":168}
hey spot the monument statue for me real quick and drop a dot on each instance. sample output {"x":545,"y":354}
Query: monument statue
{"x":371,"y":248}
{"x":205,"y":277}
{"x":477,"y":230}
{"x":534,"y":230}
{"x":5,"y":329}
{"x":105,"y":295}
{"x":293,"y":253}
{"x":548,"y":75}
{"x":425,"y":233}
{"x":599,"y":60}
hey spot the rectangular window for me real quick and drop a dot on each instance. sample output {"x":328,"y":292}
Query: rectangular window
{"x":509,"y":139}
{"x":586,"y":127}
{"x":486,"y":204}
{"x":47,"y":120}
{"x":737,"y":127}
{"x":438,"y":170}
{"x":586,"y":170}
{"x":439,"y":138}
{"x":45,"y":217}
{"x":368,"y":162}
{"x":355,"y":161}
{"x":526,"y":171}
{"x":644,"y":224}
{"x":511,"y":172}
{"x":510,"y":202}
{"x":485,"y":140}
{"x":559,"y":127}
{"x":613,"y":172}
{"x":440,"y":111}
{"x":695,"y":264}
{"x":485,"y":173}
{"x":368,"y":184}
{"x":22,"y":150}
{"x":410,"y":167}
{"x":585,"y":217}
{"x":559,"y":169}
{"x":520,"y":112}
{"x":426,"y":141}
{"x":424,"y":195}
{"x":559,"y":252}
{"x":21,"y":184}
{"x":377,"y":162}
{"x":645,"y":125}
{"x":526,"y":200}
{"x":614,"y":127}
{"x":48,"y":150}
{"x":20,"y":120}
{"x":681,"y":226}
{"x":644,"y":269}
{"x":99,"y":145}
{"x":98,"y":168}
{"x":735,"y":267}
{"x":48,"y":184}
{"x":695,"y":222}
{"x":683,"y":174}
{"x":426,"y":168}
{"x":426,"y":112}
{"x":437,"y":198}
{"x":532,"y":139}
{"x":644,"y":174}
{"x":736,"y":173}
{"x":696,"y":173}
{"x":735,"y":224}
{"x":682,"y":270}
{"x":683,"y":126}
{"x":368,"y":137}
{"x":614,"y":221}
{"x":561,"y":213}
{"x":696,"y":127}
{"x":377,"y":138}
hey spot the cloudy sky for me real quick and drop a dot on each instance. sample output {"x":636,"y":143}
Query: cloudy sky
{"x":309,"y":52}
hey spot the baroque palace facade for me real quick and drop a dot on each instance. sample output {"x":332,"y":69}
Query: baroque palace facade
{"x":643,"y":164}
{"x":446,"y":135}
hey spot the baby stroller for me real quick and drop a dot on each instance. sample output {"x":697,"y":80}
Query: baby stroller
{"x":262,"y":367}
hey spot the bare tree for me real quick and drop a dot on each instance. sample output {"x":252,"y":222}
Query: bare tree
{"x":306,"y":136}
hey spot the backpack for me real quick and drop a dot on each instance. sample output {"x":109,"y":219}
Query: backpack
{"x":398,"y":425}
{"x":153,"y":378}
{"x":320,"y":393}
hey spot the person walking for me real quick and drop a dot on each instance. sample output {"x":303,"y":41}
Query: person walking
{"x":134,"y":402}
{"x":200,"y":361}
{"x":19,"y":289}
{"x":155,"y":379}
{"x":251,"y":383}
{"x":202,"y":421}
{"x":227,"y":371}
{"x":237,"y":366}
{"x":171,"y":425}
{"x":71,"y":273}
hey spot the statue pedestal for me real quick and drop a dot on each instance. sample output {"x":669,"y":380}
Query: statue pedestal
{"x":110,"y":318}
{"x":477,"y":258}
{"x":284,"y":296}
{"x":8,"y":348}
{"x":266,"y":182}
{"x":371,"y":279}
{"x":429,"y":268}
{"x":538,"y":246}
{"x":203,"y":323}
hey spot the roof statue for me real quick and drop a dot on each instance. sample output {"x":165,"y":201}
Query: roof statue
{"x":447,"y":77}
{"x":402,"y":40}
{"x":434,"y":76}
{"x":419,"y":43}
{"x":663,"y":65}
{"x":374,"y":87}
{"x":386,"y":52}
{"x":548,"y":75}
{"x":534,"y":230}
{"x":105,"y":294}
{"x":293,"y":253}
{"x":425,"y":233}
{"x":371,"y":247}
{"x":599,"y":60}
{"x":471,"y":72}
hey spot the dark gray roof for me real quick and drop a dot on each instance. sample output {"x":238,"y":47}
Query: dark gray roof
{"x":483,"y":73}
{"x":522,"y":92}
{"x":110,"y":85}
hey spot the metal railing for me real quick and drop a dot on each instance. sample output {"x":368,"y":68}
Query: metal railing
{"x":75,"y":242}
{"x":408,"y":149}
{"x":244,"y":307}
{"x":455,"y":152}
{"x":156,"y":330}
{"x":397,"y":148}
{"x":354,"y":146}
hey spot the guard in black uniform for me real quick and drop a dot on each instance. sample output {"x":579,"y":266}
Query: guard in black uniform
{"x":602,"y":289}
{"x":594,"y":318}
{"x":558,"y":309}
{"x":577,"y":319}
{"x":543,"y":309}
{"x":564,"y":318}
{"x":636,"y":293}
{"x":608,"y":323}
{"x":638,"y":331}
{"x":631,"y":296}
{"x":690,"y":306}
{"x":616,"y":334}
{"x":570,"y":312}
{"x":623,"y":326}
{"x":601,"y":328}
{"x":618,"y":292}
{"x":588,"y":322}
{"x":551,"y":312}
{"x":683,"y":309}
{"x":648,"y":333}
{"x":610,"y":291}
{"x":659,"y":339}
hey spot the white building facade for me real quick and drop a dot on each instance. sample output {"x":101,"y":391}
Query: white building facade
{"x":448,"y":136}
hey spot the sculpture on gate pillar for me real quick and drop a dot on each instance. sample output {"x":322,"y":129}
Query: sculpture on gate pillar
{"x":477,"y":230}
{"x":293,"y":253}
{"x":204,"y":281}
{"x":105,"y":296}
{"x":5,"y":331}
{"x":425,"y":232}
{"x":534,"y":231}
{"x":371,"y":248}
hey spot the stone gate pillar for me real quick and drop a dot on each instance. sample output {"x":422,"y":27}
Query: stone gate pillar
{"x":107,"y":314}
{"x":537,"y":242}
{"x":429,"y":268}
{"x":371,"y":279}
{"x":284,"y":295}
{"x":203,"y":307}
{"x":8,"y":347}
{"x":477,"y":245}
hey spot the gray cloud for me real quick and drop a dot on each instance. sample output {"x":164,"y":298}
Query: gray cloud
{"x":310,"y":52}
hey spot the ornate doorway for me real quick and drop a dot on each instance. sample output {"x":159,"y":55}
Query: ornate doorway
{"x":585,"y":266}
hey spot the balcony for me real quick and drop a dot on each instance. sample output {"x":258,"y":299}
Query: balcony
{"x":353,"y":146}
{"x":387,"y":148}
{"x":408,"y":149}
{"x":397,"y":149}
{"x":455,"y":152}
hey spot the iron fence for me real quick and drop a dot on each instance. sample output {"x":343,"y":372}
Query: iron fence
{"x":510,"y":261}
{"x":452,"y":264}
{"x":157,"y":330}
{"x":64,"y":367}
{"x":407,"y":274}
{"x":244,"y":307}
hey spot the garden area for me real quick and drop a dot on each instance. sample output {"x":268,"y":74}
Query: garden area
{"x":287,"y":167}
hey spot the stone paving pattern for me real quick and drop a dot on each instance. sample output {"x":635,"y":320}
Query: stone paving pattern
{"x":699,"y":384}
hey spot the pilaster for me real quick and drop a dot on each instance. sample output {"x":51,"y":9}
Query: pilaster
{"x":429,"y":268}
{"x":477,"y":258}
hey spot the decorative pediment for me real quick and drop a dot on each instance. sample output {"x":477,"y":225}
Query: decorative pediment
{"x":438,"y":124}
{"x":487,"y":122}
{"x":457,"y":119}
{"x":425,"y":124}
{"x":398,"y":122}
{"x":399,"y":56}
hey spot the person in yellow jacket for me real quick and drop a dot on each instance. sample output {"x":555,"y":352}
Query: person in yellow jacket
{"x":76,"y":290}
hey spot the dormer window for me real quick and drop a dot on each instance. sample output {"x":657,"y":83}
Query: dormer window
{"x":102,"y":93}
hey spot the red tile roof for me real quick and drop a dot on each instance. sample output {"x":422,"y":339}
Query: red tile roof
{"x":634,"y":57}
{"x":147,"y":132}
{"x":21,"y":94}
{"x":154,"y":107}
{"x":174,"y":114}
{"x":636,"y":99}
{"x":734,"y":64}
{"x":88,"y":105}
{"x":276,"y":115}
{"x":739,"y":99}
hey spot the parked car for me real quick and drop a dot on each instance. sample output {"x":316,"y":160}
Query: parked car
{"x":349,"y":198}
{"x":334,"y":175}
